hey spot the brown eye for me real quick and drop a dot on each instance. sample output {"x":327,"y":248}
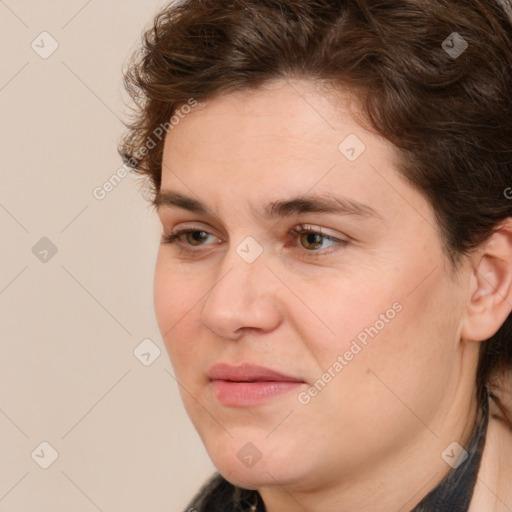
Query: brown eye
{"x":311,"y":240}
{"x":187,"y":238}
{"x":195,"y":237}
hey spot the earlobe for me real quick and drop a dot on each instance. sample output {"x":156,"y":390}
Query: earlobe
{"x":490,"y":300}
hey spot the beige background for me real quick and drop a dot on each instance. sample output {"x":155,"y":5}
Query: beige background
{"x":70,"y":321}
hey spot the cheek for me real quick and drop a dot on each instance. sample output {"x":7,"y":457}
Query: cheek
{"x":176,"y":300}
{"x":174,"y":292}
{"x":411,"y":358}
{"x":164,"y":298}
{"x":380,"y":325}
{"x":344,"y":311}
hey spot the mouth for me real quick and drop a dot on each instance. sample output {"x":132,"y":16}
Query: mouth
{"x":249,"y":385}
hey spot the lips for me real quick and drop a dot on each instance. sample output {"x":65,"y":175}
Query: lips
{"x":249,"y":385}
{"x":248,"y":373}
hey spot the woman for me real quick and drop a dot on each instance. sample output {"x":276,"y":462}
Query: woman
{"x":334,"y":282}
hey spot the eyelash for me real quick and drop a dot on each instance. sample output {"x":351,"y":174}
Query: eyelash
{"x":297,"y":231}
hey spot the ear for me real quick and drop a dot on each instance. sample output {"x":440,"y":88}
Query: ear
{"x":490,"y":299}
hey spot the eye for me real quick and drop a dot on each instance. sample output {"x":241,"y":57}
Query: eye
{"x":312,"y":238}
{"x":193,"y":237}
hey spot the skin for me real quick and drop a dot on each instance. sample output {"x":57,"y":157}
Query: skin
{"x":372,"y":439}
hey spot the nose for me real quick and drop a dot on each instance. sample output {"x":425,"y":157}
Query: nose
{"x":243,"y":298}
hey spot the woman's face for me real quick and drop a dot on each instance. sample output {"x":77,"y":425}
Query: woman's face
{"x":364,"y":316}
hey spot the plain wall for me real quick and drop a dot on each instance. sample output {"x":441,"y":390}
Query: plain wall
{"x":70,"y":321}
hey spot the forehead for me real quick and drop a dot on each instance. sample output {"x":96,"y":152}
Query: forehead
{"x":292,"y":118}
{"x":292,"y":137}
{"x":273,"y":133}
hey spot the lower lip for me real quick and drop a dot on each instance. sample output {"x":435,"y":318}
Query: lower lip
{"x":240,"y":394}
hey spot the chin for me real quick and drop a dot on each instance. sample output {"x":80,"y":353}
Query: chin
{"x":253,"y":478}
{"x":247,"y":468}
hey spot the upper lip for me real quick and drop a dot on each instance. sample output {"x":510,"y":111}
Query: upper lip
{"x":248,"y":373}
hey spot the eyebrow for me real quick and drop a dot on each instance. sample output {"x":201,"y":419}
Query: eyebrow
{"x":312,"y":203}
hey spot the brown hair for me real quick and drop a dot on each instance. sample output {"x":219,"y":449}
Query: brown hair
{"x":449,"y":116}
